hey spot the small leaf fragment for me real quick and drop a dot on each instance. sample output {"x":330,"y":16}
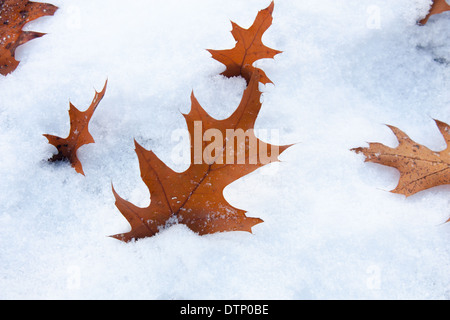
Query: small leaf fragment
{"x":438,"y":6}
{"x":14,"y":14}
{"x":79,"y":133}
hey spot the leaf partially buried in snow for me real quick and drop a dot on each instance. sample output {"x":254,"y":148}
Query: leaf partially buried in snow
{"x":420,"y":168}
{"x":14,"y":14}
{"x":79,"y":133}
{"x":222,"y":151}
{"x":437,"y":7}
{"x":249,"y":48}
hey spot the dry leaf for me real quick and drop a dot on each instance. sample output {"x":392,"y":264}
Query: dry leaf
{"x":249,"y":48}
{"x":14,"y":14}
{"x":79,"y":133}
{"x":437,"y":7}
{"x":420,"y":168}
{"x":195,"y":197}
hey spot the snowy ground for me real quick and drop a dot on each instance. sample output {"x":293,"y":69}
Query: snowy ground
{"x":332,"y":230}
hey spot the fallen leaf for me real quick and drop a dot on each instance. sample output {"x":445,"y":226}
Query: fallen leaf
{"x":79,"y":133}
{"x":14,"y":14}
{"x":437,"y":7}
{"x":249,"y":48}
{"x":420,"y":168}
{"x":195,"y":197}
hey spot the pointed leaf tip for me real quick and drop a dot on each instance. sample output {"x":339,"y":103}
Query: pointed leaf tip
{"x":248,"y":49}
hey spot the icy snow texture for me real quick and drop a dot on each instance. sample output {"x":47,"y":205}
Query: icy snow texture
{"x":331,"y":228}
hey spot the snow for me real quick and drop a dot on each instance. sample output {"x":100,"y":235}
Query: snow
{"x":331,"y":229}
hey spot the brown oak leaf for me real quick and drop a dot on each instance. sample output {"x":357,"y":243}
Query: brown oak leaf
{"x":249,"y":48}
{"x":79,"y":133}
{"x":420,"y":168}
{"x":222,"y":151}
{"x":437,"y":7}
{"x":14,"y":14}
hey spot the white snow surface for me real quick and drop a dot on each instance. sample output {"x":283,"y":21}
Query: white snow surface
{"x":332,"y":229}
